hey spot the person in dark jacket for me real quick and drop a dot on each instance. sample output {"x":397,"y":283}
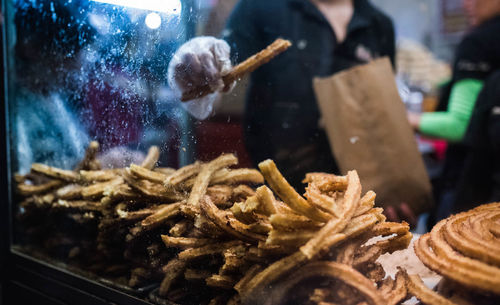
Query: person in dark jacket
{"x":479,"y":181}
{"x":281,"y":119}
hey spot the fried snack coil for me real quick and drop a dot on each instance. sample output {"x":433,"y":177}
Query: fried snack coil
{"x":247,"y":66}
{"x":458,"y":248}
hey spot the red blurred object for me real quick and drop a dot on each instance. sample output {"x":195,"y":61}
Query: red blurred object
{"x":439,"y":147}
{"x":216,"y":138}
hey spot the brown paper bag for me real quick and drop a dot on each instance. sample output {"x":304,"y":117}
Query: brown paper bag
{"x":367,"y":127}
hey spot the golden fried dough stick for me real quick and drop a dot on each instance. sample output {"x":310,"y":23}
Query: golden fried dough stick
{"x":389,"y":228}
{"x":122,"y":192}
{"x":249,"y":274}
{"x":182,"y":174}
{"x":374,"y":272}
{"x":144,"y":173}
{"x":267,"y":200}
{"x":30,"y":190}
{"x":97,"y":189}
{"x":289,"y":239}
{"x":151,"y":189}
{"x":395,"y":243}
{"x":69,"y":192}
{"x":237,"y":211}
{"x":323,"y":202}
{"x":54,"y":172}
{"x":245,"y":67}
{"x":184,"y":242}
{"x":335,"y":225}
{"x":356,"y":226}
{"x":180,"y":228}
{"x":261,"y":226}
{"x":399,"y":290}
{"x":89,"y":161}
{"x":165,"y":170}
{"x":418,"y":289}
{"x":367,"y":203}
{"x":346,"y":253}
{"x":210,"y":249}
{"x":293,"y":222}
{"x":266,"y":251}
{"x":136,"y":215}
{"x":237,"y":176}
{"x":327,"y":182}
{"x":203,"y":178}
{"x":174,"y":269}
{"x":323,"y":269}
{"x":196,"y":275}
{"x":220,"y":281}
{"x":151,"y":158}
{"x":220,"y":195}
{"x":161,"y":215}
{"x":234,"y":260}
{"x":261,"y":280}
{"x":99,"y":175}
{"x":242,"y":192}
{"x":286,"y":192}
{"x":205,"y":225}
{"x":367,"y":255}
{"x":77,"y":205}
{"x":227,"y":222}
{"x":386,"y":286}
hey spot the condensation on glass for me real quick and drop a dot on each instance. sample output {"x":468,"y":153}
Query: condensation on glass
{"x":91,"y":70}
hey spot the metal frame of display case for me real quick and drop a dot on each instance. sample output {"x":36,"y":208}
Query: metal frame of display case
{"x":27,"y":280}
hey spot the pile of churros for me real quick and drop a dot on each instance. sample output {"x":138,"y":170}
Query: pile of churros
{"x":210,"y":234}
{"x":465,"y":250}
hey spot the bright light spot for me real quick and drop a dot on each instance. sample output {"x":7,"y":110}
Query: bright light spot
{"x":172,"y":7}
{"x":153,"y":21}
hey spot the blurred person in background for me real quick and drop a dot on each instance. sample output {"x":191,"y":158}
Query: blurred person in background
{"x":69,"y":90}
{"x":281,"y":118}
{"x":477,"y":58}
{"x":43,"y":122}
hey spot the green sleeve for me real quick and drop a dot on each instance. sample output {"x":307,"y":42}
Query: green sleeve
{"x":452,"y":124}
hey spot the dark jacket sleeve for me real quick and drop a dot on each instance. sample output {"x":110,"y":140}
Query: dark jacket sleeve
{"x":242,"y":32}
{"x":388,"y":39}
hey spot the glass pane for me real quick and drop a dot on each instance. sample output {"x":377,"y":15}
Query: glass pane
{"x":83,"y":73}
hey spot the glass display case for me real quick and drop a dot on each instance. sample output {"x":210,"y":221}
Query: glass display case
{"x":78,"y":74}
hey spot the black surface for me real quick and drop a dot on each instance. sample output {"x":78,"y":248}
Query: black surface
{"x":4,"y":200}
{"x":61,"y":285}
